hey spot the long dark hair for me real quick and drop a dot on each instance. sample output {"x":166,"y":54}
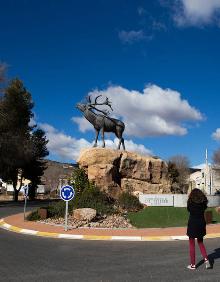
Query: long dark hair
{"x":197,"y":196}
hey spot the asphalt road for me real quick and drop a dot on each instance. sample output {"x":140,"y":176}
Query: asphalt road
{"x":29,"y":258}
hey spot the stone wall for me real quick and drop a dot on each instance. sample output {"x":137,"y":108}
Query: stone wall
{"x":115,"y":171}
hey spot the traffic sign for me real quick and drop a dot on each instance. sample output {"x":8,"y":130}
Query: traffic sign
{"x":24,"y":190}
{"x":67,"y":193}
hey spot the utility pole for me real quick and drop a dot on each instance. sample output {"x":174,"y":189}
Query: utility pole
{"x":207,"y":174}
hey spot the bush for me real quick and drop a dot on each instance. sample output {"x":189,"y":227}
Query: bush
{"x":58,"y":209}
{"x":79,"y":180}
{"x":129,"y":202}
{"x":93,"y":198}
{"x":87,"y":195}
{"x":33,"y":216}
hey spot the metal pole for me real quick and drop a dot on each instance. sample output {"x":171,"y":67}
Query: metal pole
{"x":25,"y":204}
{"x":66,"y":216}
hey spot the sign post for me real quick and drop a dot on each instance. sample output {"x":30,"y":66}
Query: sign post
{"x":24,"y":190}
{"x":67,"y":193}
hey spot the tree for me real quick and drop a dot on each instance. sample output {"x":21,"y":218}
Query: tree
{"x":3,"y":68}
{"x":216,"y":157}
{"x":178,"y":170}
{"x":22,"y":147}
{"x":34,"y":168}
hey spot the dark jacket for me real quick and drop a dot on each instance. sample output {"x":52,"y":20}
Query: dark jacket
{"x":196,"y":224}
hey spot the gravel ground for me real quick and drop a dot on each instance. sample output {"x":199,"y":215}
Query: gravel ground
{"x":112,"y":221}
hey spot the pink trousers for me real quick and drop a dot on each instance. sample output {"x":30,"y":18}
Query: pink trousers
{"x":192,"y":249}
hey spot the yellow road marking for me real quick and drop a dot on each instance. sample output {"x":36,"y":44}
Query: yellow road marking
{"x":96,"y":237}
{"x":16,"y":229}
{"x":47,"y":234}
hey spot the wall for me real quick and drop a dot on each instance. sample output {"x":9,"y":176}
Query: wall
{"x":175,"y":200}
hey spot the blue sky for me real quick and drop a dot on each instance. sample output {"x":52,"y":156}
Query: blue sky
{"x":157,"y":61}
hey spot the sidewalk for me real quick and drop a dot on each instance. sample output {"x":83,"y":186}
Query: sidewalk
{"x":17,"y":224}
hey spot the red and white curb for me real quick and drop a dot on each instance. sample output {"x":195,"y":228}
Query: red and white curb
{"x":12,"y":228}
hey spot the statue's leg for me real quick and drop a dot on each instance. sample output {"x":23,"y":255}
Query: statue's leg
{"x":118,"y":133}
{"x":96,"y":138}
{"x":103,"y":138}
{"x":123,"y":143}
{"x":119,"y":144}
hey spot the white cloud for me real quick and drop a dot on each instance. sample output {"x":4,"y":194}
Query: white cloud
{"x":137,"y":148}
{"x":196,"y":12}
{"x":131,"y":36}
{"x":201,"y":166}
{"x":61,"y":145}
{"x":68,"y":148}
{"x":154,"y":112}
{"x":216,"y":134}
{"x":83,"y":124}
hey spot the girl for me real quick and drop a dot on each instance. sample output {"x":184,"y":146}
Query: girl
{"x":196,"y":205}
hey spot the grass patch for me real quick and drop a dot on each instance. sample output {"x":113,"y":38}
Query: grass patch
{"x":151,"y":217}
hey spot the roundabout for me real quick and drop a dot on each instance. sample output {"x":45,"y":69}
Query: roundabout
{"x":16,"y":223}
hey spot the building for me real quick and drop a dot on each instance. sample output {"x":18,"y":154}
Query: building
{"x":207,"y":178}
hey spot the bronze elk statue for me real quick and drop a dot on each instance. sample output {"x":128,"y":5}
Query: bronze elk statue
{"x":101,"y":121}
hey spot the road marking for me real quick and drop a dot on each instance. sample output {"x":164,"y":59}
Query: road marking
{"x":213,"y":235}
{"x":180,"y":237}
{"x":10,"y":227}
{"x":128,"y":238}
{"x":28,"y":231}
{"x":47,"y":234}
{"x":70,"y":236}
{"x":6,"y":225}
{"x":96,"y":237}
{"x":156,"y":238}
{"x":16,"y":229}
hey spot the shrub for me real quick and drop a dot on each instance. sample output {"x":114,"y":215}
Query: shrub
{"x":87,"y":195}
{"x":93,"y":198}
{"x":58,"y":209}
{"x":33,"y":216}
{"x":79,"y":180}
{"x":129,"y":202}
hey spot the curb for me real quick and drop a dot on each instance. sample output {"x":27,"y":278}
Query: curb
{"x":12,"y":228}
{"x":16,"y":229}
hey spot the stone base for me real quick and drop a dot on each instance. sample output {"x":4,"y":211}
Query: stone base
{"x":115,"y":171}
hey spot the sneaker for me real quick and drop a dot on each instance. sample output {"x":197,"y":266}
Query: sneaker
{"x":207,"y":264}
{"x":192,"y":267}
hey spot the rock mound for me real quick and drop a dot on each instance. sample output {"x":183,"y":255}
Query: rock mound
{"x":115,"y":171}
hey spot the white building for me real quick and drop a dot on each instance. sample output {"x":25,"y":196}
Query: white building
{"x":207,"y":179}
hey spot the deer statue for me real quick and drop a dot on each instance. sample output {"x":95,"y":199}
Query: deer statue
{"x":102,"y":121}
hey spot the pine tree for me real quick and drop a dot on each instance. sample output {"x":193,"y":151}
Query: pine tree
{"x":35,"y":167}
{"x":21,"y":147}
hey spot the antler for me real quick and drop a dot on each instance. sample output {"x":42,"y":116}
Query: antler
{"x":96,"y":103}
{"x":106,"y":102}
{"x":88,"y":98}
{"x":105,"y":112}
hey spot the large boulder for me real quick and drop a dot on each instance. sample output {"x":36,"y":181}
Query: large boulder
{"x":84,"y":214}
{"x":94,"y":156}
{"x":115,"y":171}
{"x":106,"y":177}
{"x":135,"y":166}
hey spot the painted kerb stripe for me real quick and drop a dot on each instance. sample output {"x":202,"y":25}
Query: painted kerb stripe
{"x":9,"y":227}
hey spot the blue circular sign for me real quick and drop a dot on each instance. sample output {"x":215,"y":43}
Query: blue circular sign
{"x":67,"y":193}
